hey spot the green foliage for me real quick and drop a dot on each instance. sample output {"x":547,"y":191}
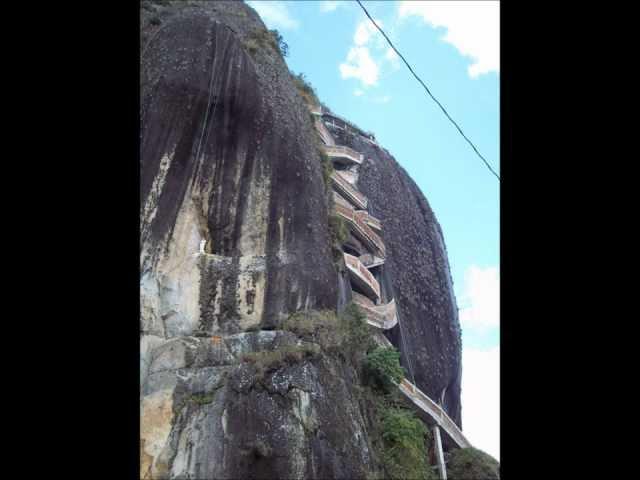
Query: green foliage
{"x":327,"y":169}
{"x":271,"y":360}
{"x":338,"y":230}
{"x":201,"y":398}
{"x":305,"y":89}
{"x":401,"y":428}
{"x":282,"y":45}
{"x":404,"y":447}
{"x":400,"y":439}
{"x":260,"y":40}
{"x":346,"y":334}
{"x":356,"y":333}
{"x":339,"y":233}
{"x":471,"y":463}
{"x":382,"y":368}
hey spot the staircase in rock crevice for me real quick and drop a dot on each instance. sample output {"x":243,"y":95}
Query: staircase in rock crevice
{"x":352,"y":207}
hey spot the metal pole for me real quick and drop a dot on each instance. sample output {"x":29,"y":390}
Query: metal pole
{"x":442,"y":469}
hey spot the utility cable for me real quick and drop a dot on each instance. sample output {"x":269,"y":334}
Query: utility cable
{"x":428,"y":91}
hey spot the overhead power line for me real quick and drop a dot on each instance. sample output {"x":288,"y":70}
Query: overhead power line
{"x":428,"y":91}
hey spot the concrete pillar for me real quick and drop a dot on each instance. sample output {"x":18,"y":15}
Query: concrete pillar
{"x":437,"y":445}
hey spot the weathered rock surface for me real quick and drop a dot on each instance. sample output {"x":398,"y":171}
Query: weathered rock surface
{"x":207,"y":414}
{"x":227,"y":160}
{"x":234,"y":237}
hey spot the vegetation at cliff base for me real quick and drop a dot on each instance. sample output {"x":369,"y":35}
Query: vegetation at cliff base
{"x":405,"y":441}
{"x":402,"y":439}
{"x":471,"y":463}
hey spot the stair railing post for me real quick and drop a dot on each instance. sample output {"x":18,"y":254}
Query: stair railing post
{"x":442,"y":469}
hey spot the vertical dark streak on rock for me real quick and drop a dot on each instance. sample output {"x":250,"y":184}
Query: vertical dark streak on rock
{"x":275,"y":236}
{"x":241,"y":111}
{"x":175,"y":186}
{"x":207,"y":120}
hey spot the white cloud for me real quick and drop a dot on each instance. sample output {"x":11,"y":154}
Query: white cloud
{"x":481,"y":399}
{"x":364,"y":32}
{"x":329,"y":5}
{"x":275,"y":14}
{"x":360,"y":65}
{"x":368,"y":57}
{"x":482,"y":294}
{"x":357,"y":92}
{"x":473,"y":27}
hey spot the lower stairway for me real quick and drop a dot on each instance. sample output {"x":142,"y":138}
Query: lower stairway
{"x":431,"y":413}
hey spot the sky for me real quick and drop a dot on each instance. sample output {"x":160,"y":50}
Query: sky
{"x":454,"y":47}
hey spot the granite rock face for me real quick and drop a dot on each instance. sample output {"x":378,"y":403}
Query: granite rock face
{"x":234,"y":238}
{"x":229,"y":164}
{"x":207,"y":414}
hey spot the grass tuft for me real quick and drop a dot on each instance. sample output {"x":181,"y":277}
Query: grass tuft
{"x":268,"y":361}
{"x":468,"y":463}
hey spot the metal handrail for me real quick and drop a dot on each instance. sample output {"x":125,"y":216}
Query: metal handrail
{"x":348,"y":189}
{"x":325,"y":134}
{"x":437,"y":414}
{"x":373,"y":222}
{"x":355,"y":265}
{"x":382,"y":316}
{"x":364,"y":229}
{"x":344,"y":152}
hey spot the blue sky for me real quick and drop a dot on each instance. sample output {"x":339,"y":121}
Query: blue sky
{"x":453,"y":47}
